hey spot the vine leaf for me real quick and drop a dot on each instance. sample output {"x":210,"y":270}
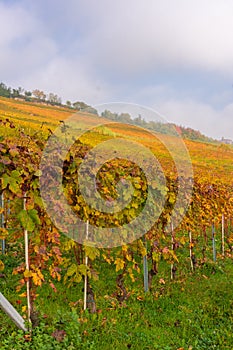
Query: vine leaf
{"x":119,"y":264}
{"x":91,"y":252}
{"x":29,"y":219}
{"x":12,"y":181}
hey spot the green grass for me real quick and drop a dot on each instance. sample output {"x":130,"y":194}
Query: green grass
{"x":193,"y":312}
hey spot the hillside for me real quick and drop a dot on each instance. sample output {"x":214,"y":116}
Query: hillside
{"x":210,"y":160}
{"x":51,"y":99}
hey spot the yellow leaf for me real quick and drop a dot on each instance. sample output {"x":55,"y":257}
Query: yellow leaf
{"x":24,"y":308}
{"x":131,"y":274}
{"x":27,"y":273}
{"x":128,"y":257}
{"x":37,"y":277}
{"x":183,"y":240}
{"x":23,"y":295}
{"x":119,"y":264}
{"x":1,"y":265}
{"x":3,"y":233}
{"x":124,"y":248}
{"x":108,"y":260}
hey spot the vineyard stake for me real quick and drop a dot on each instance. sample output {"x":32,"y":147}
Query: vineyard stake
{"x":145,"y":269}
{"x":85,"y":277}
{"x":3,"y":223}
{"x":223,"y":234}
{"x":27,"y":262}
{"x":172,"y":246}
{"x":213,"y":242}
{"x":190,"y":250}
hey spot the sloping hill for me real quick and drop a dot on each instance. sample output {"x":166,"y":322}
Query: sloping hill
{"x":211,"y":161}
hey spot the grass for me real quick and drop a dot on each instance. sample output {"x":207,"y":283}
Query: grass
{"x":192,"y":312}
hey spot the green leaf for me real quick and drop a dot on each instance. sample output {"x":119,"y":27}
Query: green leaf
{"x":91,"y":252}
{"x":78,"y":278}
{"x":13,"y":186}
{"x":16,"y":175}
{"x":83,"y":269}
{"x":71,"y":270}
{"x":33,"y":213}
{"x":26,"y":221}
{"x":156,"y":256}
{"x":5,"y":180}
{"x":13,"y":181}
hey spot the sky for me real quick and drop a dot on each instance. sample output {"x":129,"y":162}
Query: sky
{"x":173,"y":56}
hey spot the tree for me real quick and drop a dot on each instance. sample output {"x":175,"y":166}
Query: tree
{"x":80,"y":105}
{"x":15,"y":93}
{"x":20,"y":90}
{"x":39,"y":94}
{"x":4,"y":90}
{"x":53,"y":98}
{"x":109,"y":115}
{"x":125,"y":118}
{"x":68,"y":103}
{"x":91,"y":110}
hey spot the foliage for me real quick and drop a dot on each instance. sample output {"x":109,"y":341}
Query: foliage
{"x":55,"y":258}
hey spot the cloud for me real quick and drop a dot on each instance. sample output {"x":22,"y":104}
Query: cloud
{"x":174,"y":55}
{"x":71,"y":78}
{"x":200,"y":116}
{"x":24,"y":47}
{"x":137,"y":37}
{"x":33,"y":57}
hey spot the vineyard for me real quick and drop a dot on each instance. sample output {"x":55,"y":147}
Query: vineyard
{"x":81,"y":265}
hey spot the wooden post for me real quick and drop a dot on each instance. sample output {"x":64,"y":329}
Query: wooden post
{"x":191,"y":250}
{"x":145,"y":270}
{"x":213,"y":242}
{"x":85,"y":277}
{"x":172,"y":246}
{"x":27,"y":262}
{"x":3,"y":243}
{"x":223,"y":235}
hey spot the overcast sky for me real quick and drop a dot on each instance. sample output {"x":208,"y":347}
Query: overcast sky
{"x":175,"y":56}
